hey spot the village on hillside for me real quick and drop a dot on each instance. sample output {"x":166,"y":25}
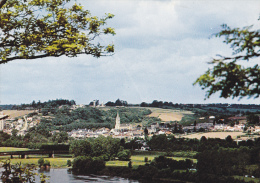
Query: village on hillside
{"x":131,"y":130}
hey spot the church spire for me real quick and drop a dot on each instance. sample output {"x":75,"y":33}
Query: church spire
{"x":117,"y":127}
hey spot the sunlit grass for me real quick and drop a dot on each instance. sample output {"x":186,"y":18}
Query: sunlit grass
{"x":117,"y":163}
{"x":55,"y":162}
{"x":8,"y":149}
{"x":246,"y":179}
{"x":60,"y":161}
{"x":140,"y":160}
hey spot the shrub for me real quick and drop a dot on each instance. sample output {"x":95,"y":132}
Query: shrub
{"x":130,"y":164}
{"x":68,"y":163}
{"x":41,"y":161}
{"x":46,"y":163}
{"x":87,"y":165}
{"x":124,"y":155}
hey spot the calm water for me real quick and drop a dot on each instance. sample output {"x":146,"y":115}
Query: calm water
{"x":65,"y":176}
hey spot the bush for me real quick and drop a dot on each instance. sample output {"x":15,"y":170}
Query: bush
{"x":87,"y":165}
{"x":46,"y":163}
{"x":41,"y":161}
{"x":68,"y":163}
{"x":130,"y":164}
{"x":124,"y":155}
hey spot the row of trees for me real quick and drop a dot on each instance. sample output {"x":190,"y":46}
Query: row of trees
{"x":118,"y":102}
{"x":170,"y":143}
{"x":50,"y":104}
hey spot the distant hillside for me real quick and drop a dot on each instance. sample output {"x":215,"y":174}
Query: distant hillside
{"x":65,"y":119}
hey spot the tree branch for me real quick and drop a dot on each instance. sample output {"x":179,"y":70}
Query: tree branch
{"x":29,"y":58}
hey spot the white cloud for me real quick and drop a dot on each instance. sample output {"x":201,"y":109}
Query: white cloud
{"x":161,"y":48}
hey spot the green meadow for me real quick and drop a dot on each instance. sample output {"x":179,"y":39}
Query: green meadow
{"x":60,"y":161}
{"x":10,"y":149}
{"x":140,"y":160}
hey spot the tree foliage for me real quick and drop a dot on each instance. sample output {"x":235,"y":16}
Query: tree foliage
{"x":124,"y":155}
{"x":252,"y":119}
{"x":105,"y":147}
{"x":229,"y":75}
{"x":43,"y":28}
{"x":80,"y":148}
{"x":87,"y":165}
{"x":19,"y":174}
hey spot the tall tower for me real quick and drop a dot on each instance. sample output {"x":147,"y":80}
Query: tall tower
{"x":117,"y":127}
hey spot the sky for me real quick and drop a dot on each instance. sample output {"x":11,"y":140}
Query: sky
{"x":161,"y":47}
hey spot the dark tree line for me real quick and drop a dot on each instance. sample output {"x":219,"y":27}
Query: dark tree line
{"x":118,"y":102}
{"x":170,"y":143}
{"x":47,"y":104}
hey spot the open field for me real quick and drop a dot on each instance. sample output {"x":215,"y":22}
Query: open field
{"x":16,"y":113}
{"x":139,"y":160}
{"x":8,"y":149}
{"x":61,"y":162}
{"x":55,"y":162}
{"x":246,"y":179}
{"x":168,"y":114}
{"x":221,"y":135}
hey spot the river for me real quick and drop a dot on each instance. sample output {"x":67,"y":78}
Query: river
{"x":65,"y":176}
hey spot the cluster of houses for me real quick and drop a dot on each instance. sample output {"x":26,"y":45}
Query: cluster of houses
{"x":130,"y":131}
{"x":21,"y":125}
{"x":127,"y":131}
{"x":239,"y":125}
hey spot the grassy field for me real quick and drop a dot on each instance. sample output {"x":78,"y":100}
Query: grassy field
{"x":187,"y":154}
{"x":61,"y":162}
{"x":168,"y":114}
{"x":139,"y":160}
{"x":8,"y":149}
{"x":55,"y":162}
{"x":58,"y":162}
{"x":16,"y":113}
{"x":247,"y":179}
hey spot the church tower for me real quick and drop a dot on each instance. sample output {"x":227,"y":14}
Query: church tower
{"x":117,"y":127}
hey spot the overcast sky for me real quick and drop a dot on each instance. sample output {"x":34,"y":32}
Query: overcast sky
{"x":161,"y":47}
